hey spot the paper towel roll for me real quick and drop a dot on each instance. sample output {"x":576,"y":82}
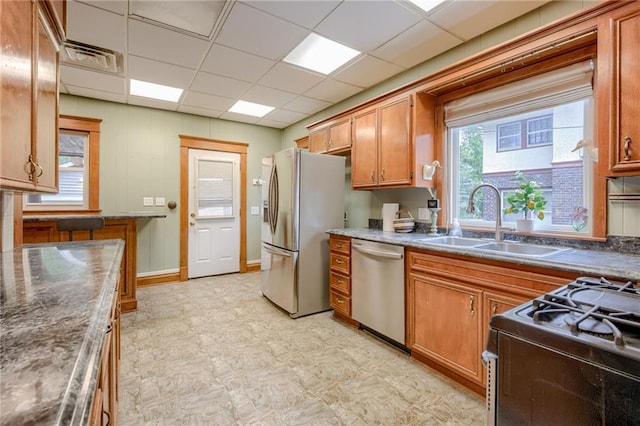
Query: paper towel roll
{"x":388,"y":214}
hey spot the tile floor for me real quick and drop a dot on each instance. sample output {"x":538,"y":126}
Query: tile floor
{"x":214,"y":351}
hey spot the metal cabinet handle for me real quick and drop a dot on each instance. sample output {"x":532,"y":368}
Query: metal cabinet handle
{"x":373,"y":175}
{"x":339,"y":261}
{"x":339,"y":300}
{"x":472,"y":300}
{"x":382,"y":175}
{"x":339,"y":245}
{"x":32,"y":167}
{"x":627,"y":148}
{"x":494,"y":308}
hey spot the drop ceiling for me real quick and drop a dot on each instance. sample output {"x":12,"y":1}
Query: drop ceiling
{"x":223,"y":51}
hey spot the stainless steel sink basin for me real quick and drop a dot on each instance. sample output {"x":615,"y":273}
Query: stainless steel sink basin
{"x":454,"y":241}
{"x":520,"y":249}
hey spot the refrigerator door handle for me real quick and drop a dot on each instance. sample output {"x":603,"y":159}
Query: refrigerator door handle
{"x":273,"y":199}
{"x":378,"y":253}
{"x":276,"y":251}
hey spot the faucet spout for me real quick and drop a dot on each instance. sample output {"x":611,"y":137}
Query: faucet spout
{"x":471,"y":208}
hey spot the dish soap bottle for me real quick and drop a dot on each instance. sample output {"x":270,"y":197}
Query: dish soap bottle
{"x":455,"y":230}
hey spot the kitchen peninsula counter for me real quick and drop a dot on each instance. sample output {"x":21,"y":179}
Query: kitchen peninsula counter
{"x":41,"y":228}
{"x":586,"y":262}
{"x":55,"y":306}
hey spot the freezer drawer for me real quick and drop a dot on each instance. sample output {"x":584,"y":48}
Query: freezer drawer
{"x":279,"y":271}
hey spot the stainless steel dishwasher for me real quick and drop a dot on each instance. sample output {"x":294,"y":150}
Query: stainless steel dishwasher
{"x":377,"y":288}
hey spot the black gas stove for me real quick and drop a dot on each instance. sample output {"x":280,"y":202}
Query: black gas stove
{"x":571,"y":356}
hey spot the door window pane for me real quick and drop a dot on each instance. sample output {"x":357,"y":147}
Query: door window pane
{"x":214,"y":190}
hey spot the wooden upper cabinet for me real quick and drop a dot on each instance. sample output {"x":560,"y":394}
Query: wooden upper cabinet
{"x":619,"y":88}
{"x":29,"y":76}
{"x":332,"y":138}
{"x":386,"y":148}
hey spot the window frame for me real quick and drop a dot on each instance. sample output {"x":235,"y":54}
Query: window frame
{"x":447,"y":90}
{"x":91,"y":127}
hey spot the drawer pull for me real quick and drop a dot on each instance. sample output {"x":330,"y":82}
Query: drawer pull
{"x":339,"y":245}
{"x":339,"y":300}
{"x":339,"y":261}
{"x":627,"y":148}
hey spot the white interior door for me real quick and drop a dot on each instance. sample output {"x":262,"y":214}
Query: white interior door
{"x":214,"y":213}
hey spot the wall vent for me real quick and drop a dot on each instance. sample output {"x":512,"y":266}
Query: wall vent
{"x":92,"y":57}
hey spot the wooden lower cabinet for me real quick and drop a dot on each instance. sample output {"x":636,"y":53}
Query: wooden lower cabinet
{"x":44,"y":231}
{"x":340,"y":276}
{"x":104,"y":410}
{"x":450,"y":301}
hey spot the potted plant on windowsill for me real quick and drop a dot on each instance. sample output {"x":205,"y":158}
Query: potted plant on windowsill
{"x":528,"y":199}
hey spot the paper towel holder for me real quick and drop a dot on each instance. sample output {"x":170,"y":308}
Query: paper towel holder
{"x":428,"y":170}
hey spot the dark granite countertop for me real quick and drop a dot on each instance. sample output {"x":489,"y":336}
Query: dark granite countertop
{"x":586,"y":262}
{"x":107,"y":216}
{"x":55,"y":305}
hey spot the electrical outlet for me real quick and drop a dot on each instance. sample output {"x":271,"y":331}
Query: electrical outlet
{"x":159,"y":201}
{"x":255,"y":210}
{"x":147,"y":201}
{"x":423,"y":214}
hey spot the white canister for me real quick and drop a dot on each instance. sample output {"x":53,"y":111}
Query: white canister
{"x":388,"y":214}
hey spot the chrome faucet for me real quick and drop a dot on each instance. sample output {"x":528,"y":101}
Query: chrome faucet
{"x":471,"y":208}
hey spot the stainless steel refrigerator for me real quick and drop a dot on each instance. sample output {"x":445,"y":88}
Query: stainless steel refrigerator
{"x":303,"y":196}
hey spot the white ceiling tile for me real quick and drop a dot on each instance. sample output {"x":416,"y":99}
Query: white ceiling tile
{"x":200,"y":111}
{"x":365,"y":25}
{"x":332,"y":91}
{"x":272,"y":123}
{"x":268,"y":96}
{"x":218,"y":85}
{"x":92,"y":80}
{"x":257,"y":32}
{"x":153,"y":103}
{"x":199,"y":18}
{"x":290,"y":78}
{"x":234,"y":63}
{"x":150,"y":41}
{"x":96,"y":94}
{"x":96,"y":27}
{"x":203,"y":100}
{"x":306,"y":105}
{"x":306,"y":13}
{"x":468,"y":19}
{"x":159,"y":72}
{"x":120,"y":7}
{"x":421,"y":41}
{"x":284,"y":116}
{"x":367,"y":71}
{"x":239,"y":117}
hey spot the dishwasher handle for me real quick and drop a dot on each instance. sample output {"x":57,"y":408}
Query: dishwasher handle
{"x":377,"y":253}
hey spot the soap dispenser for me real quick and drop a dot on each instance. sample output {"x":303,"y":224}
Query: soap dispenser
{"x":455,"y":230}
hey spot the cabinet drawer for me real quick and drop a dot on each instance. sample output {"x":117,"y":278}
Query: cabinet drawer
{"x":340,"y":283}
{"x":340,"y":303}
{"x":341,"y":245}
{"x":340,"y":262}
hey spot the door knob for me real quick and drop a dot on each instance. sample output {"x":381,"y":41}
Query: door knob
{"x":192,"y":223}
{"x":192,"y":215}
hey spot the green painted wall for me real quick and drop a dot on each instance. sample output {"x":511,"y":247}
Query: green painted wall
{"x":140,"y":157}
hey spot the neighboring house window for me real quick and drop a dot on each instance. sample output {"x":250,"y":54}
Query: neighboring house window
{"x":536,"y":137}
{"x":529,"y":133}
{"x":78,"y":168}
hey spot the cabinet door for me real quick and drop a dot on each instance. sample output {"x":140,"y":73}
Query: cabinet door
{"x":620,"y":41}
{"x":340,"y":136}
{"x":364,"y":150}
{"x":45,"y":110}
{"x":15,"y":76}
{"x":447,"y":324}
{"x":395,"y":147}
{"x":318,"y":140}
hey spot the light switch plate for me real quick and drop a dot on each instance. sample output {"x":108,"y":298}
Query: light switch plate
{"x":159,"y":201}
{"x":255,"y":210}
{"x":147,"y":201}
{"x":423,"y":214}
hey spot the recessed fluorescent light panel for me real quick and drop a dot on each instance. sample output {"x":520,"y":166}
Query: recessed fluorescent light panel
{"x":320,"y":54}
{"x":154,"y":91}
{"x":427,"y":5}
{"x":249,"y":108}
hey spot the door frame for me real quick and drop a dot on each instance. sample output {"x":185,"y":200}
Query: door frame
{"x":193,"y":142}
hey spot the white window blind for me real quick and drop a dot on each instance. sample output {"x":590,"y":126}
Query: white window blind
{"x":546,"y":90}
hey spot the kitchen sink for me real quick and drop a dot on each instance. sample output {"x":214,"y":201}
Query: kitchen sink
{"x":520,"y":249}
{"x":454,"y":241}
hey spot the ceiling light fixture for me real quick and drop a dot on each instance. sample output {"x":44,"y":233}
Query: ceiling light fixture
{"x":154,"y":91}
{"x":320,"y":54}
{"x":249,"y":108}
{"x":427,"y":5}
